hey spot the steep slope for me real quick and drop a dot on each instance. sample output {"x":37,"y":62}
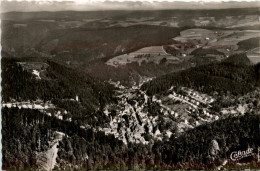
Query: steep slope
{"x":85,"y":146}
{"x":233,"y":75}
{"x":47,"y":160}
{"x":209,"y":145}
{"x":78,"y":94}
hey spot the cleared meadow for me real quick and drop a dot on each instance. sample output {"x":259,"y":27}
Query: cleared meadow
{"x":148,"y":54}
{"x":224,"y":41}
{"x":254,"y":55}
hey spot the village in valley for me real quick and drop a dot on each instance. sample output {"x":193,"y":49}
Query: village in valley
{"x":177,"y":112}
{"x":152,"y":89}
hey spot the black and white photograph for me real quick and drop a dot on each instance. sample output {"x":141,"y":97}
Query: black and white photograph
{"x":130,"y":85}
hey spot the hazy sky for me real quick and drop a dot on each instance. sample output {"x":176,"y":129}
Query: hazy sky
{"x":7,"y":6}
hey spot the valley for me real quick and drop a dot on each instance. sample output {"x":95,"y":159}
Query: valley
{"x":139,"y":118}
{"x":130,"y":89}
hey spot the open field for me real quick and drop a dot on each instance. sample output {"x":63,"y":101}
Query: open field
{"x":217,"y":44}
{"x":148,"y":54}
{"x":236,"y":37}
{"x":254,"y":55}
{"x":38,"y":69}
{"x":224,"y":41}
{"x":249,"y":20}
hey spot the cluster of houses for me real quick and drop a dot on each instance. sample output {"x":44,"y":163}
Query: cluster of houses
{"x":196,"y":97}
{"x":128,"y":124}
{"x":38,"y":104}
{"x":198,"y":108}
{"x":132,"y":120}
{"x":45,"y":107}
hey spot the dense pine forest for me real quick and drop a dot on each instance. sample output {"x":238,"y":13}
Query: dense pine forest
{"x":234,"y":75}
{"x":27,"y":132}
{"x":59,"y":85}
{"x":59,"y":82}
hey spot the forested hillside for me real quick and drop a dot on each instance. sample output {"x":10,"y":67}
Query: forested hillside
{"x":233,"y":75}
{"x":27,"y":132}
{"x":200,"y":52}
{"x":59,"y":85}
{"x":80,"y":45}
{"x":59,"y":82}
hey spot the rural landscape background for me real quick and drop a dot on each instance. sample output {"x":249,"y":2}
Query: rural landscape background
{"x":130,"y":89}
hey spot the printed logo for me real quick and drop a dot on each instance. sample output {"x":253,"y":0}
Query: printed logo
{"x":237,"y":155}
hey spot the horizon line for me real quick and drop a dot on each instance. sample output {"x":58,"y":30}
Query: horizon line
{"x":99,"y":10}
